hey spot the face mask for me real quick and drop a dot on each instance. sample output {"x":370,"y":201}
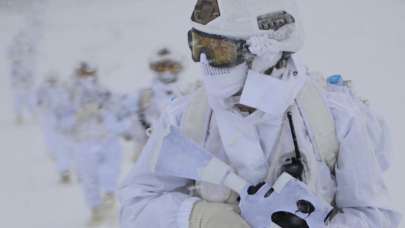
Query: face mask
{"x":167,"y":77}
{"x":88,"y":82}
{"x":223,"y":82}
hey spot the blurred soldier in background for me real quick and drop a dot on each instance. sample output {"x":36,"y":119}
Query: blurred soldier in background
{"x":98,"y":151}
{"x":151,"y":102}
{"x":56,"y":116}
{"x":21,"y":55}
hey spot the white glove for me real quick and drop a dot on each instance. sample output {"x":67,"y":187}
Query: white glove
{"x":288,"y":203}
{"x":215,"y":215}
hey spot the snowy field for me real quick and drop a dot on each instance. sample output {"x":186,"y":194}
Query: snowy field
{"x":364,"y":40}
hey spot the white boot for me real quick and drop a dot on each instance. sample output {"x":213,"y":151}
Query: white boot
{"x":19,"y":120}
{"x":110,"y":209}
{"x":97,"y":217}
{"x":109,"y":200}
{"x":65,"y":177}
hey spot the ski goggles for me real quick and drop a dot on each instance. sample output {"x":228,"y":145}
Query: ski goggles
{"x":221,"y":51}
{"x":166,"y":66}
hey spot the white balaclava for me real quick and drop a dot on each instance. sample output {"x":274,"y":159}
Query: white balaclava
{"x":167,"y":77}
{"x":222,"y":83}
{"x":161,"y":56}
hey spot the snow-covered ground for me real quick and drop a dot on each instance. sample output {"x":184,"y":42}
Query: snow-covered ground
{"x":364,"y":40}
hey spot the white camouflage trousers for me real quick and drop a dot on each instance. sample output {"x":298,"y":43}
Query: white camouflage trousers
{"x":98,"y":164}
{"x":23,"y":103}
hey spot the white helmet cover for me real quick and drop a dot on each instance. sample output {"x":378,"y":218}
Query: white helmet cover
{"x":244,"y":18}
{"x":164,"y":54}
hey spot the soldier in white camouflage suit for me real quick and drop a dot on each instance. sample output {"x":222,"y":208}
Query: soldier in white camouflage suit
{"x":98,"y":152}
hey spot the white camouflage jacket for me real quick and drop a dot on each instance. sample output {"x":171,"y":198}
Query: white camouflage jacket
{"x":356,"y":185}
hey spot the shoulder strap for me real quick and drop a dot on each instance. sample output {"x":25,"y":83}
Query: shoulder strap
{"x":195,"y":120}
{"x":320,"y":122}
{"x":145,"y":98}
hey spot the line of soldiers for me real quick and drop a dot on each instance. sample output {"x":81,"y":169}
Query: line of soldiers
{"x":83,"y":123}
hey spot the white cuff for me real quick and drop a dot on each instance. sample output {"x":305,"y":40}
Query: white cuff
{"x":184,"y":213}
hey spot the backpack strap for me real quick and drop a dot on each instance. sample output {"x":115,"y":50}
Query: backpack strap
{"x":196,"y":118}
{"x":145,"y":100}
{"x":319,"y":121}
